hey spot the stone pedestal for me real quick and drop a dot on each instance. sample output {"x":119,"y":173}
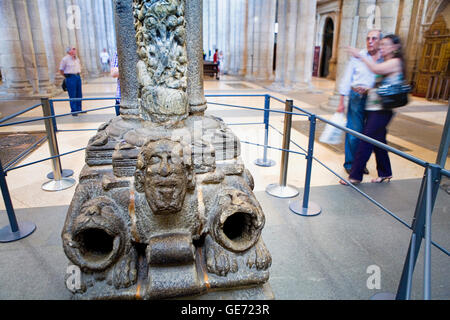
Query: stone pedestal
{"x":164,"y":207}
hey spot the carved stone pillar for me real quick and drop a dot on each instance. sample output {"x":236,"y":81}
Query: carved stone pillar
{"x":195,"y":91}
{"x":128,"y":58}
{"x":164,"y":207}
{"x":15,"y":80}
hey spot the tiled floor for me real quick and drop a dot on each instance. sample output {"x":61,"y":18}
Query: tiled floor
{"x":419,"y":128}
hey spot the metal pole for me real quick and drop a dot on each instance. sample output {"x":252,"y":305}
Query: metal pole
{"x":282,"y":190}
{"x":15,"y":231}
{"x":58,"y":183}
{"x":308,"y":208}
{"x":432,"y":178}
{"x":445,"y":141}
{"x":410,"y":267}
{"x":264,"y":162}
{"x":427,"y":263}
{"x":64,"y":172}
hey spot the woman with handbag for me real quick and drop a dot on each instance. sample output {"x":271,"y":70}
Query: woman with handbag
{"x":390,"y":77}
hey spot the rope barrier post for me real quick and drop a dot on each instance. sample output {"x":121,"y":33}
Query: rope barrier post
{"x":425,"y":203}
{"x":64,"y":172}
{"x":427,"y":262}
{"x":59,"y":182}
{"x":308,"y":208}
{"x":264,"y":162}
{"x":282,"y":190}
{"x":15,"y":231}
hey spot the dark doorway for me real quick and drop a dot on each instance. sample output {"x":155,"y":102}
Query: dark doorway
{"x":327,"y":46}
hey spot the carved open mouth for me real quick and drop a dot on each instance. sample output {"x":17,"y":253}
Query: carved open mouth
{"x":239,"y":230}
{"x":95,"y":244}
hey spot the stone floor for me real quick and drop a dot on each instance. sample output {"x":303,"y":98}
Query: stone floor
{"x":322,"y":257}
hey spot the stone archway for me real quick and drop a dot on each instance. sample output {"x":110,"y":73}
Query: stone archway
{"x":327,"y":47}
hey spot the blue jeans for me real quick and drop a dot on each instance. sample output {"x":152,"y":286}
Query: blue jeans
{"x":356,"y":117}
{"x":73,"y":83}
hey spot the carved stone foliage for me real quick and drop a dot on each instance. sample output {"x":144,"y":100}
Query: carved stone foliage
{"x":161,"y":39}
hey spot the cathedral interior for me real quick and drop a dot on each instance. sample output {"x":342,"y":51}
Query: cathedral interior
{"x":288,"y":50}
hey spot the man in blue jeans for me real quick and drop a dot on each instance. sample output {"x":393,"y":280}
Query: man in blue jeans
{"x":70,"y":68}
{"x":355,"y":82}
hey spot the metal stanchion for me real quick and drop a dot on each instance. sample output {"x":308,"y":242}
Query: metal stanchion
{"x":59,"y":182}
{"x":15,"y":231}
{"x":308,"y":208}
{"x":282,"y":190}
{"x":264,"y":162}
{"x":64,"y":172}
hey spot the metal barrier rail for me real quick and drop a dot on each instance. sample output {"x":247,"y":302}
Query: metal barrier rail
{"x":422,"y":219}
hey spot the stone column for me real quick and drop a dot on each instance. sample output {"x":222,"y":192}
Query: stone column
{"x":26,"y":39}
{"x":51,"y":35}
{"x":242,"y":37}
{"x":110,"y":28}
{"x":233,"y":43}
{"x":61,"y":9}
{"x":128,"y":58}
{"x":16,"y":82}
{"x":304,"y":45}
{"x":100,"y":25}
{"x":282,"y":50}
{"x":266,"y":21}
{"x":94,"y":51}
{"x":45,"y":85}
{"x":194,"y":43}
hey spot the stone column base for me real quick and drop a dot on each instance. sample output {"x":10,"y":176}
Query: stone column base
{"x":332,"y":103}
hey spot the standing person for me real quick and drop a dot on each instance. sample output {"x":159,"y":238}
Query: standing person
{"x":216,"y":60}
{"x":391,"y":72}
{"x":355,"y":83}
{"x":115,"y":74}
{"x":104,"y":59}
{"x":70,"y":68}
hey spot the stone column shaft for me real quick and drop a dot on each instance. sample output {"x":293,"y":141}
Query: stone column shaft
{"x":194,"y":39}
{"x":11,"y":59}
{"x":304,"y":45}
{"x":128,"y":58}
{"x":26,"y":38}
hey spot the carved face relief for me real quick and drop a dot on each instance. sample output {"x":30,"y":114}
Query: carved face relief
{"x":164,"y":175}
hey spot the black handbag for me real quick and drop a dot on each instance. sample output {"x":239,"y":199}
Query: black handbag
{"x":394,"y":95}
{"x":64,"y":85}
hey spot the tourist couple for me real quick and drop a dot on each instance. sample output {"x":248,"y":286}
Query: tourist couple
{"x":381,"y":63}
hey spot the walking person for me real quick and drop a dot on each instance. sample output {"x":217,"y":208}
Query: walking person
{"x":391,"y":72}
{"x":70,"y":68}
{"x":115,"y":74}
{"x":104,"y":59}
{"x":355,"y":83}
